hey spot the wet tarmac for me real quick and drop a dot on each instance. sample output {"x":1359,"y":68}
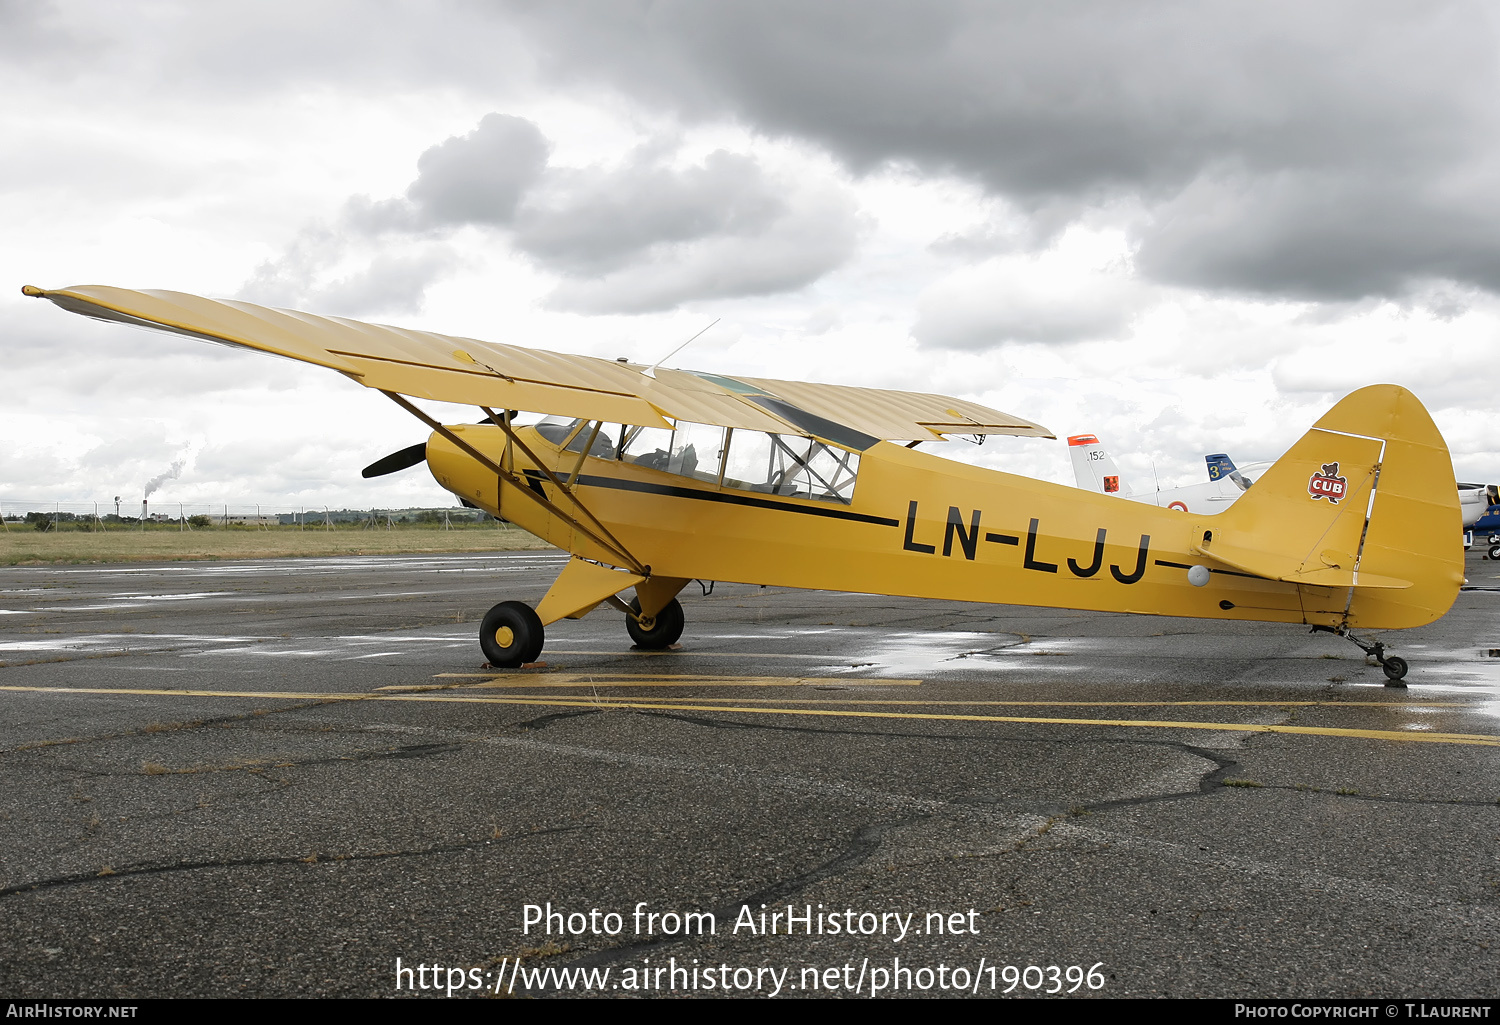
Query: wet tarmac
{"x":277,"y":778}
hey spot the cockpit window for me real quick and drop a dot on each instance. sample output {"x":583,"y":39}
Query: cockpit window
{"x":577,"y":433}
{"x":781,"y":464}
{"x":774,"y":464}
{"x":650,"y":447}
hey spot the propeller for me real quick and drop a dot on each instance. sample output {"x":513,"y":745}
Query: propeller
{"x":414,"y":454}
{"x":407,"y":457}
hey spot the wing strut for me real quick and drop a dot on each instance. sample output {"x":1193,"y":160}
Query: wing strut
{"x":607,"y":541}
{"x":613,"y":543}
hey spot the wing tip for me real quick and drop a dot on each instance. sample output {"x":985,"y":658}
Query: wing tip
{"x":33,"y":291}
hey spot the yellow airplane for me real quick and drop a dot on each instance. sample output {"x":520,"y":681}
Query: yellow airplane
{"x":652,"y":478}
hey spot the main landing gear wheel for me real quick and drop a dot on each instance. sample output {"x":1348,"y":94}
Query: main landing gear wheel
{"x":1395,"y":668}
{"x":661,"y":632}
{"x":511,"y":635}
{"x":1495,"y":552}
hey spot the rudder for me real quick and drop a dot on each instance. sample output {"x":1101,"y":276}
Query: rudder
{"x":1362,"y":512}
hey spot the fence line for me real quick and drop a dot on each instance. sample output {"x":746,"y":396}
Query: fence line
{"x":23,"y":514}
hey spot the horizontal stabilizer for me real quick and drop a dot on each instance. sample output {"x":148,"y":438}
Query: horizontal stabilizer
{"x":1336,"y":571}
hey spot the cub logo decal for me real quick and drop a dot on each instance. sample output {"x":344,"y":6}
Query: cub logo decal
{"x":1111,"y":484}
{"x":1327,"y":484}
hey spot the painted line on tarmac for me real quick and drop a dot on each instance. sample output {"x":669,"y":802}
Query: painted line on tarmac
{"x":814,"y":656}
{"x":661,"y":680}
{"x":1042,"y":704}
{"x":1474,"y":739}
{"x":152,"y":692}
{"x":674,"y":680}
{"x":450,"y":697}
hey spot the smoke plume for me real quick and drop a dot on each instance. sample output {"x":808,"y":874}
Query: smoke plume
{"x":159,"y":479}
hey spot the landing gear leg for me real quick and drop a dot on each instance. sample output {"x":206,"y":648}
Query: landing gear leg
{"x":1394,"y":666}
{"x":511,"y":635}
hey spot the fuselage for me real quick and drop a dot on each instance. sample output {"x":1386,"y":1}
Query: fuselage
{"x":913,"y":524}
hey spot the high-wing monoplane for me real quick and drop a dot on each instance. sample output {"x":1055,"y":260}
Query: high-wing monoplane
{"x":651,"y":480}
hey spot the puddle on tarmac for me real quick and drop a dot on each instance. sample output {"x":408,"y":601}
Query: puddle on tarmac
{"x":923,"y":654}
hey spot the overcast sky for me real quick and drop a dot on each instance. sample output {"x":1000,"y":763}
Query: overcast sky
{"x":1184,"y":227}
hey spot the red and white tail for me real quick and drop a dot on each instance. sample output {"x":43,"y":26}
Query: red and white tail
{"x":1093,"y":468}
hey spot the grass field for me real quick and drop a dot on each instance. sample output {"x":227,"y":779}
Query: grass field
{"x":22,"y":546}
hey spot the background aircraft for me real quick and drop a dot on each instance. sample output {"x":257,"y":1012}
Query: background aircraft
{"x":1095,"y":471}
{"x":1479,"y":505}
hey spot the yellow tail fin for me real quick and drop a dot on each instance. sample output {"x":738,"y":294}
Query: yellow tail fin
{"x":1362,"y":513}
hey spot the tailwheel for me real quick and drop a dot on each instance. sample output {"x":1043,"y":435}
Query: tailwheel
{"x":658,"y":633}
{"x":1393,"y":666}
{"x":511,"y":635}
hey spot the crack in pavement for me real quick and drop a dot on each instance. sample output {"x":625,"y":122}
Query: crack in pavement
{"x":1210,"y":782}
{"x":865,"y":842}
{"x":1353,"y":796}
{"x":316,"y":858}
{"x":541,"y":722}
{"x":255,"y":765}
{"x":734,"y":724}
{"x":155,"y":728}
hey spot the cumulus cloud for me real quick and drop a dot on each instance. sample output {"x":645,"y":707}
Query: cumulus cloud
{"x":1281,"y":148}
{"x":480,"y":177}
{"x":591,"y":220}
{"x":1314,"y":150}
{"x":642,"y":236}
{"x":650,"y":237}
{"x":1323,"y":236}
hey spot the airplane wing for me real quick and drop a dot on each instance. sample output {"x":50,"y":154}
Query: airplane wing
{"x":424,"y":364}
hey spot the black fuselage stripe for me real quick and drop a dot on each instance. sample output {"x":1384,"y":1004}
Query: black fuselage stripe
{"x":646,"y":487}
{"x":1226,"y":572}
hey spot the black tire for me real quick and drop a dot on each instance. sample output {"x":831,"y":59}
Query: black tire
{"x":511,"y":635}
{"x":1495,"y":539}
{"x":1495,"y":552}
{"x":664,"y":630}
{"x":1395,"y":667}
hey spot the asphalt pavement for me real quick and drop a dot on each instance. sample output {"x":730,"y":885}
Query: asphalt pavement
{"x":278,"y":777}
